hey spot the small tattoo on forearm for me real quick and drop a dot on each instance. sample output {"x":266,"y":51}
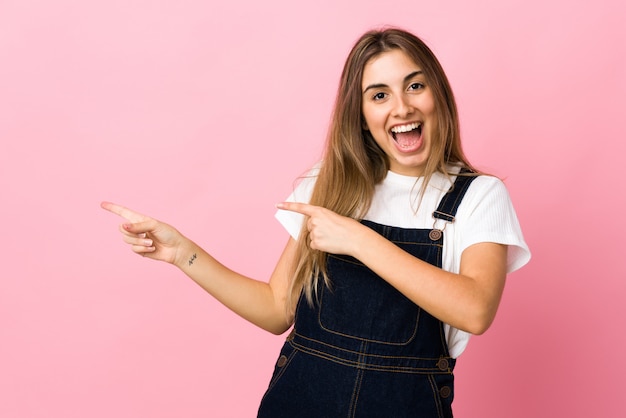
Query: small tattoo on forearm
{"x":193,"y":257}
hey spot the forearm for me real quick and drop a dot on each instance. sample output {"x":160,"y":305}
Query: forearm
{"x":251,"y":299}
{"x":467,"y":301}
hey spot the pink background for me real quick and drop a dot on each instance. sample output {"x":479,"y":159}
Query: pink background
{"x":203,"y":113}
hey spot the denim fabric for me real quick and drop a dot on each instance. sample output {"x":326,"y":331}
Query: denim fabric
{"x":364,"y":349}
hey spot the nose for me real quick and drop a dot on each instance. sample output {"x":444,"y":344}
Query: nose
{"x":403,"y":107}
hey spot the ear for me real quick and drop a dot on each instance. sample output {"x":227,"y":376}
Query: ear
{"x":364,"y":125}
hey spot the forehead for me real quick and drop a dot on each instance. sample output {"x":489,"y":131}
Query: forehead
{"x":388,"y":67}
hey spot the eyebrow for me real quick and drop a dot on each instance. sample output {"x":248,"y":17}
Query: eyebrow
{"x":406,"y":79}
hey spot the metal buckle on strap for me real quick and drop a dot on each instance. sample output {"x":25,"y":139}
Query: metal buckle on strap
{"x":444,"y":216}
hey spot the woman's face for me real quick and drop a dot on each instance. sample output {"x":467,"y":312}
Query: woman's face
{"x":399,"y":111}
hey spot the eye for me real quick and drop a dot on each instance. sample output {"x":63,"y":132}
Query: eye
{"x":379,"y":96}
{"x":416,"y":86}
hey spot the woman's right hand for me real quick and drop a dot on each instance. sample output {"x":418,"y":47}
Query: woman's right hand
{"x":147,"y":236}
{"x":259,"y":302}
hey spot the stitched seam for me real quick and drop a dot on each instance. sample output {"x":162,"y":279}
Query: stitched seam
{"x":401,"y":343}
{"x":458,"y":195}
{"x":364,"y":366}
{"x":436,"y":399}
{"x":283,"y":369}
{"x":356,"y":390}
{"x":378,"y":356}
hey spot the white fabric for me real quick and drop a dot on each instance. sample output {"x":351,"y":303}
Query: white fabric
{"x":486,"y":214}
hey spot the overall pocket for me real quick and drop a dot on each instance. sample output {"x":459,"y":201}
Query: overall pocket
{"x":362,"y":305}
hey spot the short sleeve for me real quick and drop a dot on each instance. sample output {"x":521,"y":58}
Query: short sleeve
{"x":292,"y":221}
{"x":487,"y":215}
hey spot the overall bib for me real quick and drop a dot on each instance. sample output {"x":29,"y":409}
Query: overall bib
{"x":364,"y":349}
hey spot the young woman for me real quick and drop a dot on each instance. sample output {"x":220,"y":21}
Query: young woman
{"x":398,"y":252}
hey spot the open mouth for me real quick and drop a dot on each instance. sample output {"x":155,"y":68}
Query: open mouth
{"x":407,"y":136}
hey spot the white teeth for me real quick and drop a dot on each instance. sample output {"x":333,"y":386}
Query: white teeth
{"x":405,"y":128}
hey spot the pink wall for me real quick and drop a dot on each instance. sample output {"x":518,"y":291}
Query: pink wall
{"x":187,"y":109}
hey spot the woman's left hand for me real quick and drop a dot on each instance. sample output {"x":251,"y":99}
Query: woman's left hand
{"x":328,"y":231}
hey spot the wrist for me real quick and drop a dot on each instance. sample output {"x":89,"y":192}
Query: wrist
{"x":186,"y":255}
{"x":359,"y":239}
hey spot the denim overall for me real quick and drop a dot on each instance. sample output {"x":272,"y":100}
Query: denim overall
{"x":364,"y":349}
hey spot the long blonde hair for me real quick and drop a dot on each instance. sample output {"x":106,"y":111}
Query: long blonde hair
{"x":353,"y":163}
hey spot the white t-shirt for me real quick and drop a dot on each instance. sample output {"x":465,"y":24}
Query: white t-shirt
{"x":486,"y":214}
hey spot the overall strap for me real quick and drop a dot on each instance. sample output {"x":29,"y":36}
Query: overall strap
{"x":452,"y":199}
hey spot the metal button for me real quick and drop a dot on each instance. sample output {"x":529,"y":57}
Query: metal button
{"x":445,"y":391}
{"x":442,"y":364}
{"x":434,"y":235}
{"x":282,"y":360}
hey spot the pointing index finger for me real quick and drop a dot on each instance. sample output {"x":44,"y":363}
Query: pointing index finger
{"x":302,"y":208}
{"x":123,"y":212}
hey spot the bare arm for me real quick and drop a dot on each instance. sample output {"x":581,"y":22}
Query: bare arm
{"x":468,"y":300}
{"x":262,"y":303}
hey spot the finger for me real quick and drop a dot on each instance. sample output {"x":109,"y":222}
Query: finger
{"x":139,"y":241}
{"x":140,"y":228}
{"x":143,"y":250}
{"x":124,"y":212}
{"x":130,"y":234}
{"x":303,"y":208}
